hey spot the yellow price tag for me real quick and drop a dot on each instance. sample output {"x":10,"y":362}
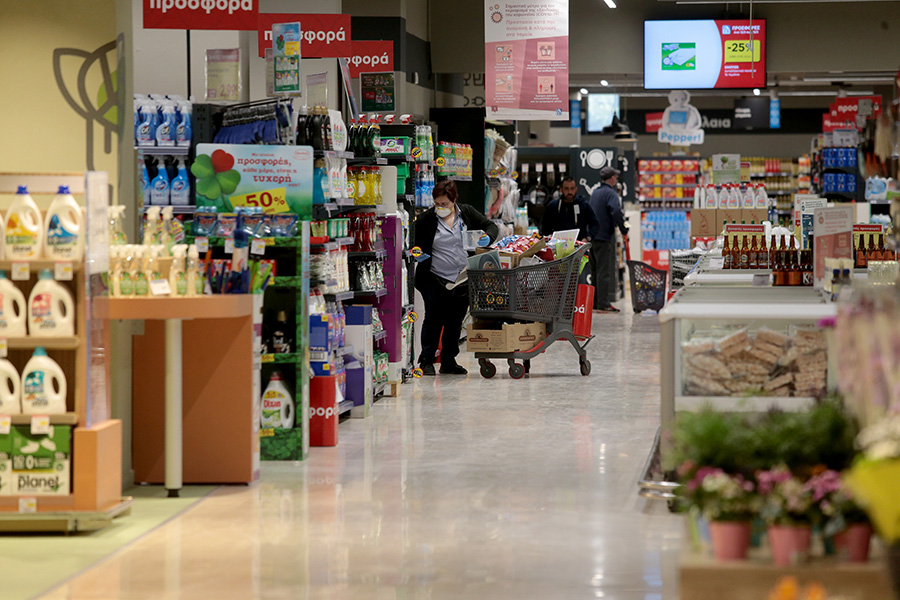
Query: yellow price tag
{"x":415,"y":252}
{"x":738,"y":51}
{"x":440,"y":161}
{"x":266,"y":433}
{"x":416,"y":152}
{"x":413,"y":316}
{"x":271,"y":201}
{"x":417,"y":373}
{"x":515,"y":175}
{"x":267,"y":358}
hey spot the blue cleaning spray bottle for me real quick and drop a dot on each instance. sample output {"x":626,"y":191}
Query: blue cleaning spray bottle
{"x":165,"y":133}
{"x":185,"y":128}
{"x":180,"y":188}
{"x":159,"y":187}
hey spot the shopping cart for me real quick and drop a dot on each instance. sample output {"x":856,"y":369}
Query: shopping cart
{"x":543,"y":293}
{"x":648,"y":286}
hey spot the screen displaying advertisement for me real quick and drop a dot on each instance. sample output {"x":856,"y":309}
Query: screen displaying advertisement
{"x":704,"y":54}
{"x":601,"y":108}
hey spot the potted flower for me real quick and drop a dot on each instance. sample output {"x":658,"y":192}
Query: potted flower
{"x":728,"y":501}
{"x":788,"y":510}
{"x":840,"y":515}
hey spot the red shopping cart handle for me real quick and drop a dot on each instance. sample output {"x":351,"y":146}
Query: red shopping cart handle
{"x":627,"y":247}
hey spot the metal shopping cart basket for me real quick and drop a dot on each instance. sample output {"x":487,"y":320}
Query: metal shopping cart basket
{"x":543,"y":293}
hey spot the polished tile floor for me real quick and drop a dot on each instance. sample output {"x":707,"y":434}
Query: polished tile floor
{"x":463,"y":488}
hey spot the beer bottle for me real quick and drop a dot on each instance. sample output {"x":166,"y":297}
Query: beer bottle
{"x":754,"y":254}
{"x":861,"y":261}
{"x":794,"y":275}
{"x":726,"y":253}
{"x":762,"y":259}
{"x":745,"y":254}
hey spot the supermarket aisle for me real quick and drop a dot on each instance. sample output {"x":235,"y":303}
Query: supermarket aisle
{"x":463,"y":489}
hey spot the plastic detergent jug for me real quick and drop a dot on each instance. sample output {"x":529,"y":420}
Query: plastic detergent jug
{"x":43,"y":386}
{"x":277,"y":407}
{"x":12,"y":309}
{"x":51,"y":312}
{"x":24,"y":228}
{"x":10,"y":394}
{"x":65,"y":228}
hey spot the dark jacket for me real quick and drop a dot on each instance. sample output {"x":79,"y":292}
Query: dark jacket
{"x":560,"y":215}
{"x":605,"y":202}
{"x":426,"y":228}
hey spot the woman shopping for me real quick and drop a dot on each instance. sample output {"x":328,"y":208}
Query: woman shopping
{"x":439,"y":234}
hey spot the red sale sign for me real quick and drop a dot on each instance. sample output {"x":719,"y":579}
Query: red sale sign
{"x":743,"y":59}
{"x":653,"y":121}
{"x":237,"y":15}
{"x":371,"y":57}
{"x":322,"y":35}
{"x":846,"y":109}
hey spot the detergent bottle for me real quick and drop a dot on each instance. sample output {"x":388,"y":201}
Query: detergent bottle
{"x":51,"y":311}
{"x":65,"y":228}
{"x":10,"y":393}
{"x":277,"y":406}
{"x":184,"y":131}
{"x":12,"y":309}
{"x":152,"y":228}
{"x":43,"y":386}
{"x":23,"y":234}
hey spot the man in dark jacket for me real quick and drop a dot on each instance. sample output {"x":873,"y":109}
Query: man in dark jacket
{"x":605,"y":204}
{"x":571,"y":211}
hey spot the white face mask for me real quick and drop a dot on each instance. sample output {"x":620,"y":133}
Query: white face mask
{"x":443,"y":212}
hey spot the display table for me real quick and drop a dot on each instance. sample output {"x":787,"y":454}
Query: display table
{"x":208,"y":416}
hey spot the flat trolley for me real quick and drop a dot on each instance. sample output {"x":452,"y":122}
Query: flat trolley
{"x":544,"y":293}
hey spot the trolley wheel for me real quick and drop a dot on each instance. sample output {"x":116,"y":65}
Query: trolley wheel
{"x":516,"y":371}
{"x":488,"y":369}
{"x":585,"y":365}
{"x":527,"y":364}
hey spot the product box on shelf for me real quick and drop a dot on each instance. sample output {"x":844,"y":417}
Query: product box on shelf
{"x":321,"y":337}
{"x":492,"y":336}
{"x":41,"y":463}
{"x":396,"y":146}
{"x":755,"y":215}
{"x":361,"y":374}
{"x":704,"y":223}
{"x":6,"y":483}
{"x":323,"y":411}
{"x":321,"y":368}
{"x":728,"y":215}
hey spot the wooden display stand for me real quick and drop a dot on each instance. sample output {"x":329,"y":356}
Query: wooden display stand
{"x":220,"y":440}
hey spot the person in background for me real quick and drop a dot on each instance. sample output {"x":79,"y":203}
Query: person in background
{"x":570,"y":211}
{"x":439,"y":234}
{"x":608,"y":210}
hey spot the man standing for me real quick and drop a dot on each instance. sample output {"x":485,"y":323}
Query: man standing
{"x":605,"y":204}
{"x":570,"y":211}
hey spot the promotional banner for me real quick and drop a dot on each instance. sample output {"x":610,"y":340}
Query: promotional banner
{"x":278,"y":179}
{"x":237,"y":15}
{"x":377,"y":91}
{"x":223,"y":75}
{"x":704,"y":54}
{"x":368,"y":56}
{"x":833,"y":230}
{"x":323,"y":35}
{"x":527,"y":59}
{"x":726,"y":168}
{"x":286,"y":57}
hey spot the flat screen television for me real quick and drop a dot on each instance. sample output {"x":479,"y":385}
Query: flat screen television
{"x":601,"y":108}
{"x":704,"y":54}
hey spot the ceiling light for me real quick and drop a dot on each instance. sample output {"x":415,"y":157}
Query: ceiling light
{"x":583,"y":91}
{"x":756,"y":92}
{"x":604,"y":82}
{"x":610,"y":3}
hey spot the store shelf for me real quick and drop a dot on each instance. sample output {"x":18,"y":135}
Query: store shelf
{"x":780,"y":192}
{"x":456,"y":177}
{"x":280,"y":358}
{"x":377,"y":293}
{"x":345,"y":407}
{"x":344,"y":241}
{"x":380,"y":335}
{"x":333,"y":154}
{"x":176,"y":210}
{"x":282,"y":242}
{"x":164,"y":150}
{"x":221,"y":306}
{"x":773,"y":174}
{"x":54,"y":343}
{"x":655,"y":208}
{"x":326,"y":247}
{"x":68,"y":418}
{"x":667,"y":172}
{"x":668,"y":185}
{"x":381,"y":253}
{"x":38,"y":265}
{"x":367,"y":160}
{"x":347,"y":295}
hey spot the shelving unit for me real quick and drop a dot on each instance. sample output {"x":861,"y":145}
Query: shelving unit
{"x":664,"y":183}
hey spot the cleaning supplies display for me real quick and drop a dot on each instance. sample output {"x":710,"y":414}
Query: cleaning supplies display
{"x":43,"y":386}
{"x":159,"y":188}
{"x":10,"y":390}
{"x":457,"y":159}
{"x":12,"y":309}
{"x":161,"y":120}
{"x":276,"y":411}
{"x":180,"y":187}
{"x":51,"y":311}
{"x":39,"y":464}
{"x":65,"y":228}
{"x":24,"y":230}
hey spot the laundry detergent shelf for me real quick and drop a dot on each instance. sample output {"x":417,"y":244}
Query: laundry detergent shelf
{"x":51,"y":311}
{"x":24,"y":228}
{"x":65,"y":228}
{"x":43,"y":386}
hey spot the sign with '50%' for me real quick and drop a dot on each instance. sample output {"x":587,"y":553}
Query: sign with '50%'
{"x":271,"y":201}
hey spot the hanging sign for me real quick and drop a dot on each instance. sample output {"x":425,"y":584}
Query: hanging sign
{"x":324,"y":36}
{"x":223,"y":75}
{"x":526,"y":55}
{"x":368,"y":56}
{"x":237,"y":15}
{"x":286,"y":57}
{"x":681,"y":121}
{"x":377,"y":92}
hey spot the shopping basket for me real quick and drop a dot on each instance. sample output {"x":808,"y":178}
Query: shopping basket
{"x":648,"y":286}
{"x":544,"y":293}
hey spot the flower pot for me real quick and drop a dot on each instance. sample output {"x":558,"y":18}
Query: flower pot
{"x":730,"y":539}
{"x":853,"y":543}
{"x":789,"y":544}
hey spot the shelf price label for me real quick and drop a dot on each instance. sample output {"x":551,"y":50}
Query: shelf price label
{"x":4,"y":347}
{"x":202,"y":244}
{"x":417,"y":373}
{"x":21,"y":271}
{"x":266,"y":433}
{"x":271,"y":201}
{"x":28,"y":505}
{"x":229,"y":246}
{"x":5,"y":424}
{"x":440,"y":161}
{"x":258,"y":246}
{"x":738,"y":51}
{"x":63,"y":271}
{"x":40,"y":424}
{"x":267,"y":358}
{"x":416,"y":152}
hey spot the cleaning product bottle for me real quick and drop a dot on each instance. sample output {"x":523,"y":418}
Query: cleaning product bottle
{"x":43,"y":386}
{"x":165,"y":133}
{"x":180,"y":188}
{"x":166,"y":238}
{"x":12,"y":309}
{"x":117,"y":235}
{"x":51,"y":311}
{"x":146,"y":130}
{"x":152,"y":228}
{"x":151,"y":263}
{"x":145,"y":184}
{"x":277,"y":407}
{"x":65,"y":228}
{"x":185,"y":130}
{"x":23,"y":239}
{"x":125,"y":280}
{"x":177,"y":276}
{"x":138,"y":272}
{"x":194,"y":273}
{"x":10,"y":394}
{"x":159,"y":187}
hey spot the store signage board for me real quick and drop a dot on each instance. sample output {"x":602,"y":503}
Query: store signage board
{"x":726,"y":168}
{"x":377,"y":93}
{"x":223,"y":75}
{"x":865,"y":230}
{"x":751,"y":113}
{"x":324,"y":35}
{"x":348,"y":87}
{"x":808,"y":202}
{"x":317,"y":89}
{"x":775,"y":113}
{"x":270,"y":177}
{"x":704,"y":54}
{"x":527,"y":59}
{"x":682,"y":124}
{"x":370,"y":56}
{"x":235,"y":15}
{"x":286,"y":57}
{"x":806,"y":209}
{"x":833,"y":229}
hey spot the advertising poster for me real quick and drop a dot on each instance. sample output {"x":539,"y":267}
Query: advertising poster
{"x":278,"y":179}
{"x":527,"y":59}
{"x":324,"y":35}
{"x":286,"y":57}
{"x":704,"y":54}
{"x":223,"y":75}
{"x":833,"y":228}
{"x":805,"y":207}
{"x":726,"y":168}
{"x":377,"y":91}
{"x":317,"y":89}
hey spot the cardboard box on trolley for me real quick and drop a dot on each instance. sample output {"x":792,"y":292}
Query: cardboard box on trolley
{"x":494,"y":336}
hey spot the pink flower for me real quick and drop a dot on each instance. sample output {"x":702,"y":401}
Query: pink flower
{"x":702,"y":473}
